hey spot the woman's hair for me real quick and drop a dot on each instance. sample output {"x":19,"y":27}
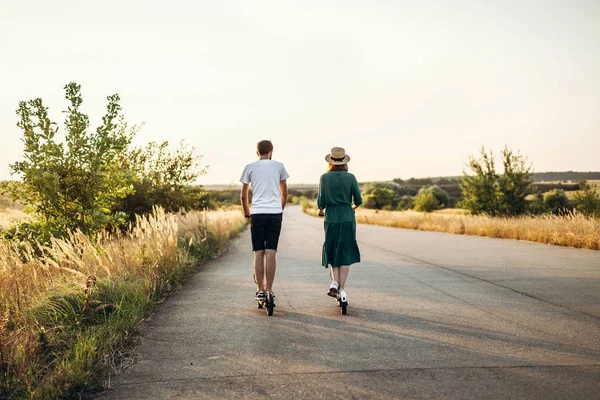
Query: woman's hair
{"x":333,"y":167}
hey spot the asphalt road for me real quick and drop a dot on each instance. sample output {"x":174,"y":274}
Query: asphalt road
{"x":431,"y":315}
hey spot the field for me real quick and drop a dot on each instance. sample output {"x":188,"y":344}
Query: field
{"x":68,"y":310}
{"x":573,"y":230}
{"x":11,"y":212}
{"x":594,"y":184}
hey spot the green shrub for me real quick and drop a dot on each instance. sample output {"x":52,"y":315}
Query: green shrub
{"x":535,"y":204}
{"x":556,"y":201}
{"x":73,"y":184}
{"x":406,"y":203}
{"x":486,"y":192}
{"x":440,"y":194}
{"x":430,"y":198}
{"x":426,"y":201}
{"x":383,"y":197}
{"x":369,"y":201}
{"x":588,"y":201}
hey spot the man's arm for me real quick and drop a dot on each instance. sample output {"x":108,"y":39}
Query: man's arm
{"x":244,"y":199}
{"x":284,"y":193}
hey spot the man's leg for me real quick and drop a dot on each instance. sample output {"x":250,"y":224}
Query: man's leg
{"x":272,"y":240}
{"x":259,"y":269}
{"x":271,"y":256}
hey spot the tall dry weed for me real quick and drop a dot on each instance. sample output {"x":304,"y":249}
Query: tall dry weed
{"x":11,"y":216}
{"x":572,"y":230}
{"x":149,"y":253}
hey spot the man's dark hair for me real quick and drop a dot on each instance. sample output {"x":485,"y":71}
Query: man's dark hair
{"x":264,"y":147}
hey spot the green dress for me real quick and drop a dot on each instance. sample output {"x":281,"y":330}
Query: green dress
{"x":337,"y":190}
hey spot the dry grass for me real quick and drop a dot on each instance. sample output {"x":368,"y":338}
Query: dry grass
{"x":6,"y":203}
{"x":139,"y":265}
{"x":10,"y":216}
{"x":595,"y":185}
{"x":573,"y":230}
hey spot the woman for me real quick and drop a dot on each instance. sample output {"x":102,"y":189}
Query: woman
{"x":338,"y":189}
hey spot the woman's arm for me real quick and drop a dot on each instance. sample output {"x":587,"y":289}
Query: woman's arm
{"x":321,"y":198}
{"x":356,"y":193}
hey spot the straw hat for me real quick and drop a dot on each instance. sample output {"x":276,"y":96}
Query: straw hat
{"x":337,"y":156}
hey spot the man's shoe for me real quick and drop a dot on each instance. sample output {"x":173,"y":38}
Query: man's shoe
{"x":260,"y":296}
{"x":333,"y":289}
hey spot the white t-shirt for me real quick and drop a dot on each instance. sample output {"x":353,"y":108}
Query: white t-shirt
{"x":264,"y":177}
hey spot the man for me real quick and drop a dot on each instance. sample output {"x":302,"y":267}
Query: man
{"x":269,"y":195}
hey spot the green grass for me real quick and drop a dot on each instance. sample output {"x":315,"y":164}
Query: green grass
{"x":65,"y":330}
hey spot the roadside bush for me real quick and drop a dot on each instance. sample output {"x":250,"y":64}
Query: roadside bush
{"x":556,"y":201}
{"x":383,"y":197}
{"x":535,"y":204}
{"x":161,"y":177}
{"x":369,"y":201}
{"x":588,"y":201}
{"x":430,"y":198}
{"x":486,"y":192}
{"x":405,"y":203}
{"x":72,"y":185}
{"x":378,"y":197}
{"x":92,"y":181}
{"x":426,"y":201}
{"x":440,"y":194}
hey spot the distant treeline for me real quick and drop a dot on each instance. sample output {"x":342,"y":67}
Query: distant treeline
{"x":565,"y":176}
{"x":537,"y":177}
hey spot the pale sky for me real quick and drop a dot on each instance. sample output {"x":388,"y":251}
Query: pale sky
{"x":409,"y":88}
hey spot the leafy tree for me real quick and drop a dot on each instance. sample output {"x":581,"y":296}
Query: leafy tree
{"x":160,"y":177}
{"x":426,"y":201}
{"x":535,"y":204}
{"x":369,"y":201}
{"x":430,"y":198}
{"x":588,"y":201}
{"x":406,"y":203}
{"x":485,"y":191}
{"x":440,"y":194}
{"x":72,"y":184}
{"x":556,"y":201}
{"x":383,"y":197}
{"x":514,"y":184}
{"x":480,"y":189}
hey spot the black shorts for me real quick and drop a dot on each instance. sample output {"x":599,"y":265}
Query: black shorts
{"x":265,"y":230}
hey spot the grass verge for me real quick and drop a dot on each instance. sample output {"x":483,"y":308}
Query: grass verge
{"x":66,"y":316}
{"x":573,"y":230}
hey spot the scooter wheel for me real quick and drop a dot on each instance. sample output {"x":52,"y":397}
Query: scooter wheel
{"x":344,"y":308}
{"x":270,"y":305}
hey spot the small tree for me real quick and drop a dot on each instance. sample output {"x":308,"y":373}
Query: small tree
{"x":480,"y":189}
{"x":556,"y":201}
{"x":440,"y":194}
{"x":514,"y":184}
{"x":588,"y":201}
{"x":426,"y":201}
{"x":72,"y":184}
{"x":160,"y":177}
{"x":406,"y":203}
{"x":485,"y":191}
{"x":383,"y":197}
